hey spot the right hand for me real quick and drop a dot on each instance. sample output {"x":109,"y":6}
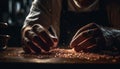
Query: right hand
{"x":37,"y":39}
{"x":89,"y":38}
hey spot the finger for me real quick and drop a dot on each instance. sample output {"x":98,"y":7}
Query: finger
{"x":83,"y":35}
{"x":55,"y":40}
{"x":86,"y":27}
{"x":91,"y":48}
{"x":87,"y":44}
{"x":26,"y":48}
{"x":37,"y":41}
{"x":30,"y":34}
{"x":76,"y":41}
{"x":40,"y":42}
{"x":35,"y":48}
{"x":43,"y":34}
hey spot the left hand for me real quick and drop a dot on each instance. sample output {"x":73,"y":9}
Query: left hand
{"x":37,"y":39}
{"x":89,"y":38}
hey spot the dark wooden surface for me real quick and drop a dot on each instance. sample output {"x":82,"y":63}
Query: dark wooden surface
{"x":16,"y":55}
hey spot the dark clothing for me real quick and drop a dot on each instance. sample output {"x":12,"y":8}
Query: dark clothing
{"x":66,"y":17}
{"x":72,"y":21}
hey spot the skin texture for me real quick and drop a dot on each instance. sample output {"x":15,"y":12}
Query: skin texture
{"x":86,"y":39}
{"x":38,"y":40}
{"x":46,"y":13}
{"x":35,"y":35}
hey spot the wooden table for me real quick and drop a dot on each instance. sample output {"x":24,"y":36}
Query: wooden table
{"x":56,"y":56}
{"x":14,"y":57}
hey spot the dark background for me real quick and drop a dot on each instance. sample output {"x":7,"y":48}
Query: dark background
{"x":13,"y":12}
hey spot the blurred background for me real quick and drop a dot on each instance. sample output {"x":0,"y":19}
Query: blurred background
{"x":13,"y":12}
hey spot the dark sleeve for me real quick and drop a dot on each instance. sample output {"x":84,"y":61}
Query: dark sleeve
{"x":112,"y":38}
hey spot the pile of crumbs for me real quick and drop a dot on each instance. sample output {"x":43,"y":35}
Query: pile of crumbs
{"x":70,"y":53}
{"x":67,"y":53}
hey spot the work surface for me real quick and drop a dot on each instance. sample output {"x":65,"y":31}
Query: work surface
{"x":16,"y":55}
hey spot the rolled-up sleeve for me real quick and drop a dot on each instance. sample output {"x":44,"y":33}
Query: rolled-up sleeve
{"x":40,"y":13}
{"x":44,"y":12}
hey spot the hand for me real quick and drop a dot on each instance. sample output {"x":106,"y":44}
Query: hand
{"x":89,"y":38}
{"x":37,"y":39}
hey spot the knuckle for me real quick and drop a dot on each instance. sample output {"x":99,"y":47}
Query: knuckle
{"x":27,"y":32}
{"x":30,"y":34}
{"x":37,"y":28}
{"x":93,"y":24}
{"x":25,"y":39}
